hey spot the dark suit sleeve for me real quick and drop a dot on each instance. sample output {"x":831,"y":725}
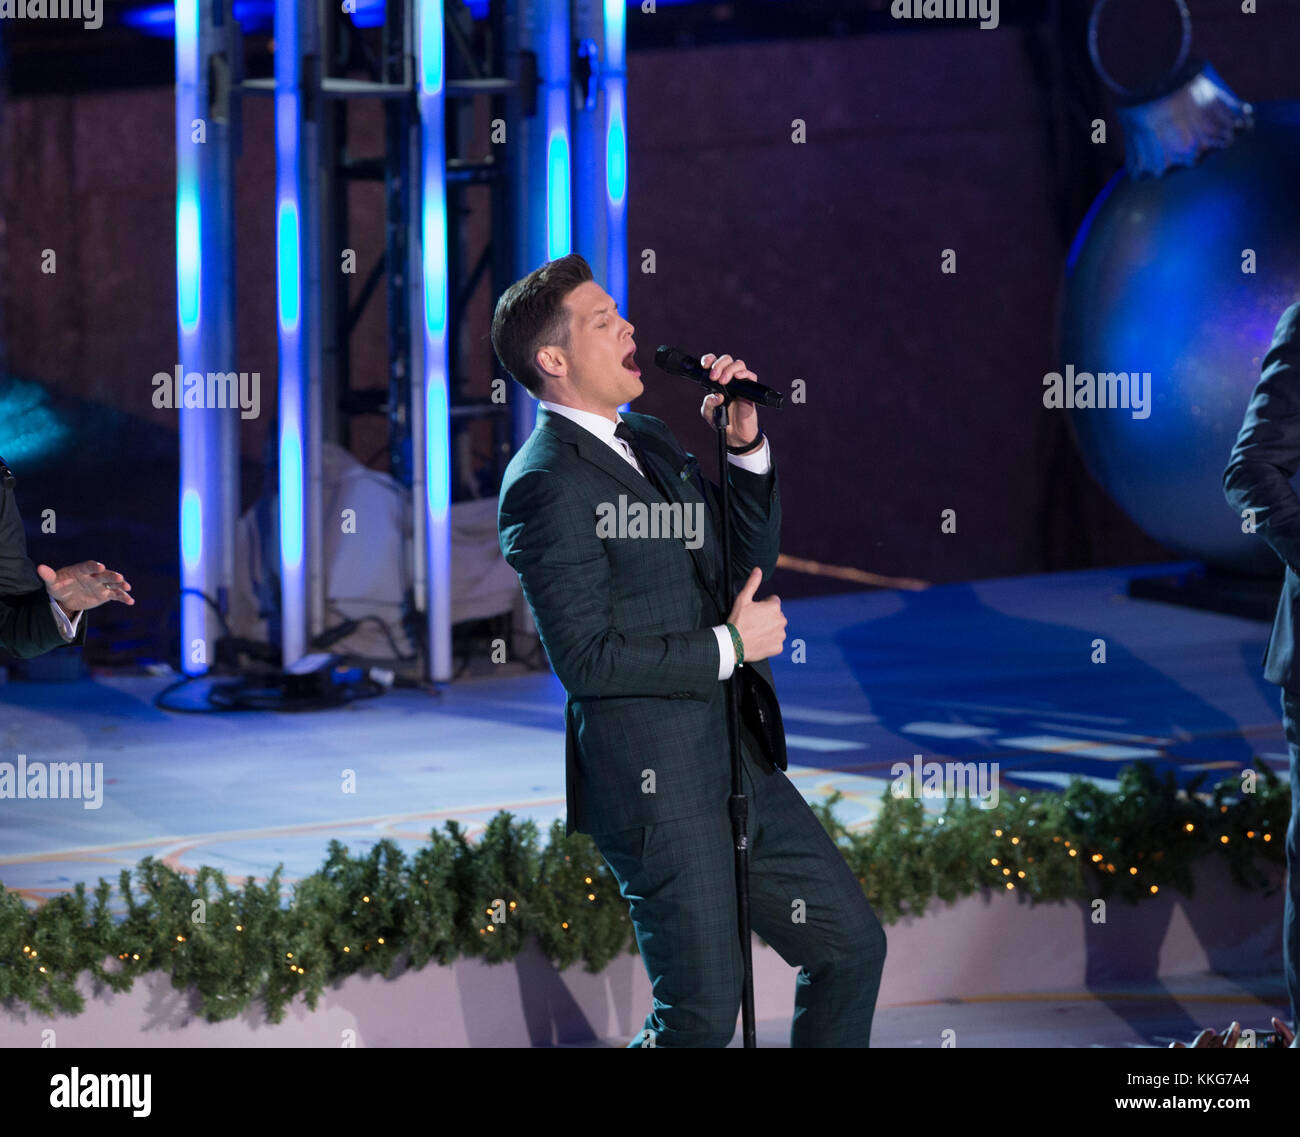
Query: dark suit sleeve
{"x":548,"y":536}
{"x":1267,"y":453}
{"x":27,"y":625}
{"x":756,"y":521}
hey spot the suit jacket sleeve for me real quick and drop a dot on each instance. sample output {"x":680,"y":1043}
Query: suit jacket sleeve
{"x":27,"y":625}
{"x":1267,"y":453}
{"x":548,"y":536}
{"x":756,"y":522}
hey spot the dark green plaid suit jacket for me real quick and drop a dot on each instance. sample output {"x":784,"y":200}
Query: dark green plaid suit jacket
{"x":27,"y":625}
{"x":627,"y":623}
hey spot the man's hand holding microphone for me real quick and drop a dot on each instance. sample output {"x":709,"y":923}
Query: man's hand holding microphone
{"x":760,"y":622}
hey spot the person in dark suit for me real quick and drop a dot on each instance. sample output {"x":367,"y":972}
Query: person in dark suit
{"x":40,"y":607}
{"x":1257,"y":484}
{"x":638,"y":631}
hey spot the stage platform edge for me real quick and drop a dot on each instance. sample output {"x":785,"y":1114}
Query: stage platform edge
{"x":994,"y":944}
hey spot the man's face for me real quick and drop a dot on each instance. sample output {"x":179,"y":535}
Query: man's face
{"x":592,"y":372}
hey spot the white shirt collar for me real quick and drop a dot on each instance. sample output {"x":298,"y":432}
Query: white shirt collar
{"x":598,"y":425}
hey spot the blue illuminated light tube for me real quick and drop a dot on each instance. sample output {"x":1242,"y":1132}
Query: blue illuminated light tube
{"x":190,"y":335}
{"x":436,"y":423}
{"x":292,"y":411}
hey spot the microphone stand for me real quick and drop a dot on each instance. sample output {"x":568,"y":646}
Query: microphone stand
{"x":738,"y":804}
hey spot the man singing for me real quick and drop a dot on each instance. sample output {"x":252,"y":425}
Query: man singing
{"x":37,"y":604}
{"x":637,"y":629}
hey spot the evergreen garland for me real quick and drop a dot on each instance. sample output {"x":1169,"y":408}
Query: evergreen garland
{"x":383,"y":912}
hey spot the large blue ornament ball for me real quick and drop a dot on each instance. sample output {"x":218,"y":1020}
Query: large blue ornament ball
{"x":1156,"y":285}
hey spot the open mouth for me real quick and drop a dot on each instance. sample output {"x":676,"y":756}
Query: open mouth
{"x":629,"y":361}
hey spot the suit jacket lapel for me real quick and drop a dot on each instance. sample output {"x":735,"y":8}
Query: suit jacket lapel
{"x":706,"y":564}
{"x":595,"y":451}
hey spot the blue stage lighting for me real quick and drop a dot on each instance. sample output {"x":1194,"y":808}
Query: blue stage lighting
{"x":559,"y":238}
{"x":286,"y":242}
{"x":191,"y":529}
{"x":435,"y":432}
{"x":31,"y":428}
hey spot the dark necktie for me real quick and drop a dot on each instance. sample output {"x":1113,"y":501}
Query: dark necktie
{"x":623,"y":431}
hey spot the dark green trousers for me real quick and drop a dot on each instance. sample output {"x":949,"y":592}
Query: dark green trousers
{"x":678,"y":878}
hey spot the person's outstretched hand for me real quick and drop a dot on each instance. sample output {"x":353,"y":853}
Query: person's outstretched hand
{"x":87,"y":585}
{"x":1208,"y":1038}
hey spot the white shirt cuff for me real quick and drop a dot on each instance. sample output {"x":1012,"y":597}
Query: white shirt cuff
{"x":758,"y":462}
{"x":67,"y":627}
{"x":726,"y":650}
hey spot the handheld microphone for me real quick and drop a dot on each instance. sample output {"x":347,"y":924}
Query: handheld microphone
{"x":676,"y":362}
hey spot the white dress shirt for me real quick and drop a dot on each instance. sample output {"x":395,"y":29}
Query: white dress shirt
{"x":67,"y":627}
{"x":759,"y":463}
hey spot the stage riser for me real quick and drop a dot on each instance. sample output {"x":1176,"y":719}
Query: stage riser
{"x":992,"y":945}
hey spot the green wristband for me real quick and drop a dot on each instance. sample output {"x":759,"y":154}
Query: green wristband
{"x":737,"y":644}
